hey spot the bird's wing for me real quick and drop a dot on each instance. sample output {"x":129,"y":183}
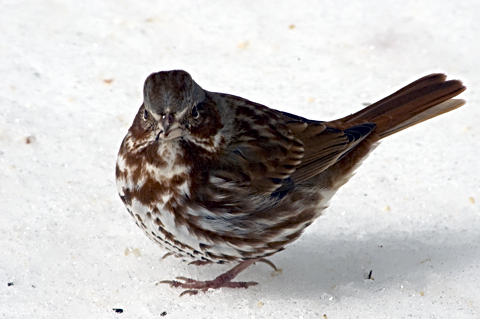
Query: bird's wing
{"x":274,"y":150}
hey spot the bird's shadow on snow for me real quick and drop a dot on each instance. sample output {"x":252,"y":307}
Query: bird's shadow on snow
{"x":317,"y":265}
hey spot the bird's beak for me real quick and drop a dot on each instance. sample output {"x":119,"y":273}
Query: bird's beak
{"x":169,"y":127}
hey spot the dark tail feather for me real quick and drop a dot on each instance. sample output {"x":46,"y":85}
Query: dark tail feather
{"x":419,"y":101}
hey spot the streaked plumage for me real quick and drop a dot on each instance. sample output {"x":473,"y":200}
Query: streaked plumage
{"x":213,"y":177}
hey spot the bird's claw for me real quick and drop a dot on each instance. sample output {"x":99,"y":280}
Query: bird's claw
{"x":189,"y":292}
{"x":268,"y":262}
{"x":199,"y":263}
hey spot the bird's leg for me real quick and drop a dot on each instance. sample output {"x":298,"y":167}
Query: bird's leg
{"x":222,"y":281}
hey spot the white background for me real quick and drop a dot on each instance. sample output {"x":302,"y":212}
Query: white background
{"x":71,"y":79}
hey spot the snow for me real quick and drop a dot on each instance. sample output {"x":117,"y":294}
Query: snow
{"x":72,"y":75}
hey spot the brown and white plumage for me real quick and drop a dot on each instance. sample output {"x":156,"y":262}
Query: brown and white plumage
{"x":217,"y":178}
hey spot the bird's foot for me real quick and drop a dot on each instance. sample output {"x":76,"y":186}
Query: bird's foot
{"x":193,"y":286}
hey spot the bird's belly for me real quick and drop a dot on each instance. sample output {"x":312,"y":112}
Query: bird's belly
{"x":176,"y":227}
{"x":172,"y":231}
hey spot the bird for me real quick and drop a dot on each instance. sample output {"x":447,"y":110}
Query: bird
{"x":216,"y":178}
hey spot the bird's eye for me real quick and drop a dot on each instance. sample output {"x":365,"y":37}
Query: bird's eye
{"x":195,"y":113}
{"x":145,"y":115}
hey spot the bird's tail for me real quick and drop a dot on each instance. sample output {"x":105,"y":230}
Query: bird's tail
{"x":419,"y":101}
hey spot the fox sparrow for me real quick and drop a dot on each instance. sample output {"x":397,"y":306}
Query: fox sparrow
{"x":213,"y":177}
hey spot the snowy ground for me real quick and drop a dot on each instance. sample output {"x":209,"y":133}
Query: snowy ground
{"x":72,"y":74}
